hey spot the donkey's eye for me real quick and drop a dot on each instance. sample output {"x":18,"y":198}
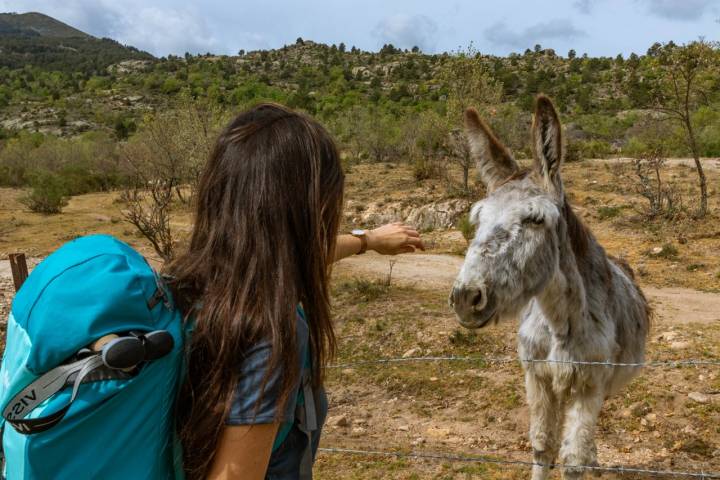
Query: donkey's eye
{"x":534,"y":219}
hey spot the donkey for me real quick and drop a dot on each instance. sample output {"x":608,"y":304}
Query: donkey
{"x":532,"y":257}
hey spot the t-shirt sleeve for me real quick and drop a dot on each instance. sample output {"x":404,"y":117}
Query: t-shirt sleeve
{"x":245,"y":409}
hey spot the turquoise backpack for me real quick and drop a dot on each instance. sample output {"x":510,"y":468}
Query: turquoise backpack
{"x":73,"y":413}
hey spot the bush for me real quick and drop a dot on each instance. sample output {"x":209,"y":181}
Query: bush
{"x":48,"y":194}
{"x":573,"y":152}
{"x":466,"y":227}
{"x":425,"y":169}
{"x":594,"y":149}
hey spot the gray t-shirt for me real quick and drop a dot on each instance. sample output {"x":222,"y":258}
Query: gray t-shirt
{"x":291,"y":442}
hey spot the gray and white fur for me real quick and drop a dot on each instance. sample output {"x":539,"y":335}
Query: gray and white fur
{"x":534,"y":259}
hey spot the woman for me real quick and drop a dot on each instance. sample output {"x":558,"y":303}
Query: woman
{"x":268,"y":208}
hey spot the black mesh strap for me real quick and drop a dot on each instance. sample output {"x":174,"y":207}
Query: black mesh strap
{"x":43,"y":388}
{"x":307,"y":423}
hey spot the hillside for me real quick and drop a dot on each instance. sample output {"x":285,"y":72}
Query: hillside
{"x":41,"y":41}
{"x":64,"y":85}
{"x":36,"y":24}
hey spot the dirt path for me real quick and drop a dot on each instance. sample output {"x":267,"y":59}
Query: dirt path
{"x":707,"y":163}
{"x":431,"y":271}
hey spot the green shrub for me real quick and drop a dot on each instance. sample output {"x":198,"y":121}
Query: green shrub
{"x":48,"y":194}
{"x":466,"y":227}
{"x":425,"y":169}
{"x":573,"y":152}
{"x":594,"y":149}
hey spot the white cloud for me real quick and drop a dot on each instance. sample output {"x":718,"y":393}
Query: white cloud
{"x":500,"y":34}
{"x":407,"y":31}
{"x":681,"y":9}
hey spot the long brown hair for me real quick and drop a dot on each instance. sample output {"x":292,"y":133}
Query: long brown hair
{"x":268,"y":209}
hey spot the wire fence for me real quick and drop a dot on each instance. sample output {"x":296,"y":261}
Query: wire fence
{"x":621,"y":470}
{"x":484,"y":459}
{"x":499,"y":360}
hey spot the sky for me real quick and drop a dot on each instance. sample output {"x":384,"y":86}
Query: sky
{"x":595,"y":27}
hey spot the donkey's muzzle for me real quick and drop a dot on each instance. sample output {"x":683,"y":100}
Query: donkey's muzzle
{"x":474,"y":306}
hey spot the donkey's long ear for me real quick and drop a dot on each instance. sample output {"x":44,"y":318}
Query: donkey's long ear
{"x":547,"y":143}
{"x":494,"y":162}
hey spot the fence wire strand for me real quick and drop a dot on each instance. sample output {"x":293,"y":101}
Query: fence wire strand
{"x":650,"y":364}
{"x":481,"y":459}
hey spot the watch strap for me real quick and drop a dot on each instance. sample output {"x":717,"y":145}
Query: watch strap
{"x":363,"y":243}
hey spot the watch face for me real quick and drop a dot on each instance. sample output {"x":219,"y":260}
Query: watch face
{"x":358,"y":232}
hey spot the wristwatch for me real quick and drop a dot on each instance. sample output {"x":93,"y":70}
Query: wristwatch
{"x":362,"y":235}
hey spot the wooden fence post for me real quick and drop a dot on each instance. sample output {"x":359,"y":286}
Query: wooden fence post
{"x":18,"y":266}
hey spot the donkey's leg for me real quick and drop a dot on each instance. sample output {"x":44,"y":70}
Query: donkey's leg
{"x":578,"y":446}
{"x":545,"y":422}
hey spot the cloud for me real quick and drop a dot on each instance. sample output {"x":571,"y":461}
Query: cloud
{"x":161,"y":28}
{"x":680,"y":9}
{"x":407,"y":31}
{"x":584,"y":6}
{"x":163,"y":31}
{"x":500,"y":34}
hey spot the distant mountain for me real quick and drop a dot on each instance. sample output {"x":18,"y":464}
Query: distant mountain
{"x":41,"y":41}
{"x":36,"y":24}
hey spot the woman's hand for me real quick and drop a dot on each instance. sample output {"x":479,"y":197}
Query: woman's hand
{"x":389,"y":239}
{"x":394,"y":238}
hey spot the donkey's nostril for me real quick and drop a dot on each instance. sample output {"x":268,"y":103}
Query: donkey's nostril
{"x":480,"y":300}
{"x":477,"y":299}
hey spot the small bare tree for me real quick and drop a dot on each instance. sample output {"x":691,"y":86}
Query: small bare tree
{"x":148,"y":209}
{"x":427,"y":145}
{"x":468,"y":84}
{"x":164,"y":161}
{"x":684,"y":78}
{"x":149,"y":196}
{"x":663,"y":198}
{"x":460,"y":153}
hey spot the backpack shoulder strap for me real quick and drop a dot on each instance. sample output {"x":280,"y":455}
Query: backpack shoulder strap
{"x":306,"y":414}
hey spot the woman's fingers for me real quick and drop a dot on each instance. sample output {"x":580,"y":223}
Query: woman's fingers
{"x":395,"y":238}
{"x":416,"y":242}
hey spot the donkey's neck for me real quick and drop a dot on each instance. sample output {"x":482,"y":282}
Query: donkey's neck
{"x":583,"y":267}
{"x":563,"y":301}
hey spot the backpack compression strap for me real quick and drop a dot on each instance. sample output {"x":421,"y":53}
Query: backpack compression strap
{"x":307,"y":423}
{"x":43,"y":388}
{"x":118,"y":354}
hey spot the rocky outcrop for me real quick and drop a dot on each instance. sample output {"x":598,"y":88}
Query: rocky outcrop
{"x":129,"y":66}
{"x":440,"y":215}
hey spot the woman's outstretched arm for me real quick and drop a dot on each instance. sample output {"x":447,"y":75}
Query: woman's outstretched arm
{"x":390,"y":239}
